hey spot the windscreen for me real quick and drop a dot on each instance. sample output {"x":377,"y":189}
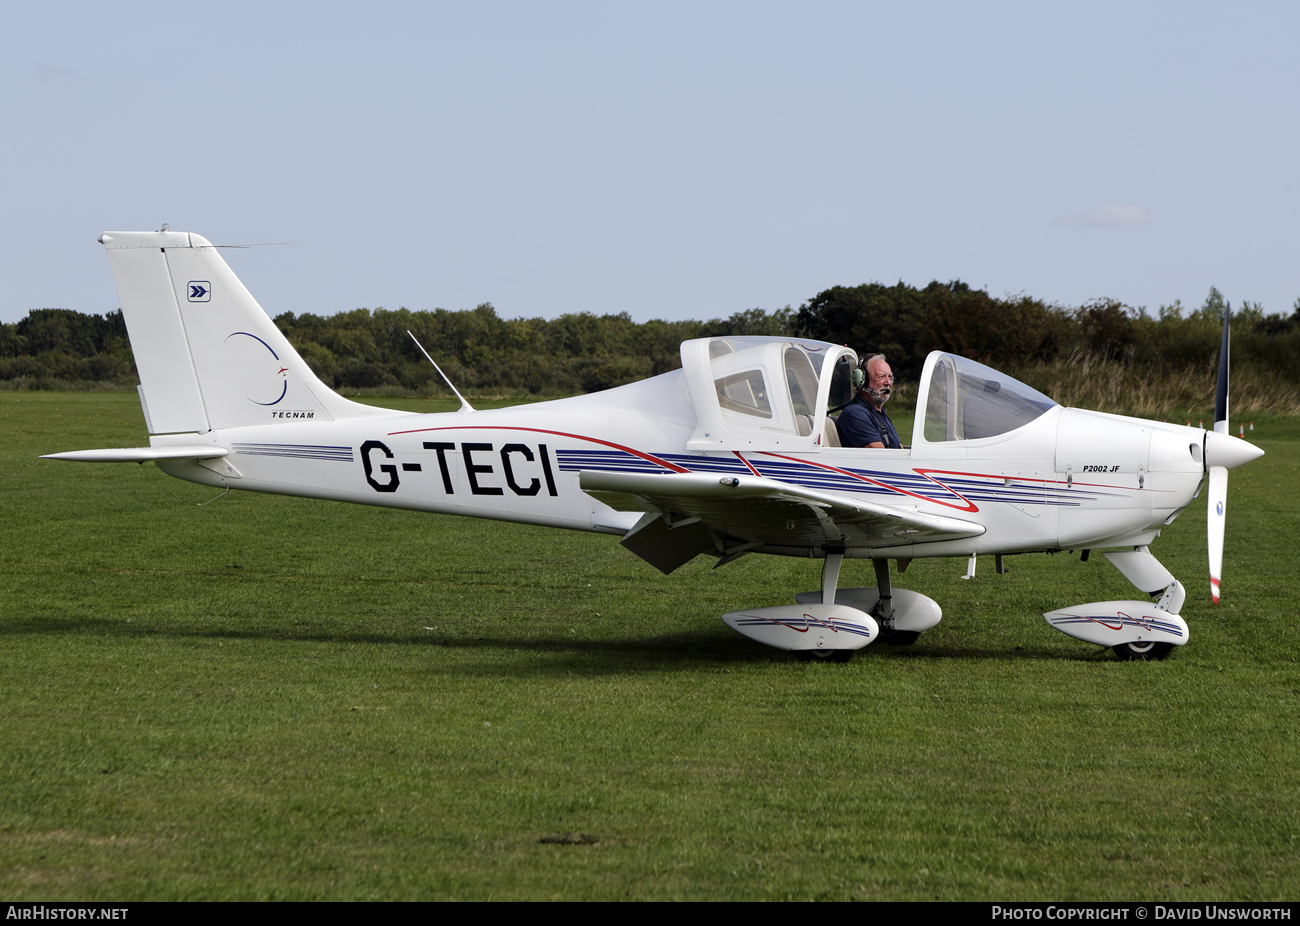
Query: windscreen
{"x":968,"y":400}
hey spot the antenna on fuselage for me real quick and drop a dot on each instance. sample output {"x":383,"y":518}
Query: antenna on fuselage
{"x":464,"y":406}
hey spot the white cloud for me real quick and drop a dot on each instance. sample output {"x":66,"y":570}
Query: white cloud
{"x":1113,"y":215}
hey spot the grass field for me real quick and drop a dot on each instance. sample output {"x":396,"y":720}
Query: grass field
{"x":281,"y":698}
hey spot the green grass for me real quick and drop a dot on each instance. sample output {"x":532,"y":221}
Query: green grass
{"x":281,"y":698}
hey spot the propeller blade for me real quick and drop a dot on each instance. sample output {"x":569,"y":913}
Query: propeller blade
{"x":1221,"y":390}
{"x":1216,"y":506}
{"x":1216,"y":503}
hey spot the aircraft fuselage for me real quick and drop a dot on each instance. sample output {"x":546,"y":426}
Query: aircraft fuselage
{"x":1069,"y":479}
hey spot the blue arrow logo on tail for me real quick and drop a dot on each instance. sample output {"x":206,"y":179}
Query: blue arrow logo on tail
{"x":200,"y":291}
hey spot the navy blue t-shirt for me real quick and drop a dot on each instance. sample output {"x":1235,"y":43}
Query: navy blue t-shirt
{"x":861,"y":423}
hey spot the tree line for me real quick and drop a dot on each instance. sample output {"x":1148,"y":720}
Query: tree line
{"x":369,"y":352}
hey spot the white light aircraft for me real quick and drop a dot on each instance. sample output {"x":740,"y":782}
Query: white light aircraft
{"x":734,"y":453}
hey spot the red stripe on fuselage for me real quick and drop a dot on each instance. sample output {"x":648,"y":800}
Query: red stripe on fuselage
{"x":747,"y":464}
{"x":969,"y":506}
{"x":594,"y":440}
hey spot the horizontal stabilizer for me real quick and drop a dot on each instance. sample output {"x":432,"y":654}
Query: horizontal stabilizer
{"x":138,"y":454}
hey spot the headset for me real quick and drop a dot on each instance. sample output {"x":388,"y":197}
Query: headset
{"x":860,"y":377}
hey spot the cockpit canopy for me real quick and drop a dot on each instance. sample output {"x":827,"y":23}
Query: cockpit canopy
{"x":754,"y":393}
{"x":759,"y":393}
{"x":964,"y":400}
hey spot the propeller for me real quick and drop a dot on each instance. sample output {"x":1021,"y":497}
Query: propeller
{"x":1222,"y":453}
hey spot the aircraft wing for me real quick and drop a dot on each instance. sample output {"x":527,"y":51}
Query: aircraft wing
{"x":706,"y":511}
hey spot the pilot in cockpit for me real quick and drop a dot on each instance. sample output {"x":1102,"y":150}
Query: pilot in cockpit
{"x":864,"y":421}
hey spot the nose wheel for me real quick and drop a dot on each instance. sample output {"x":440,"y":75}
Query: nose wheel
{"x":1146,"y":651}
{"x":823,"y":655}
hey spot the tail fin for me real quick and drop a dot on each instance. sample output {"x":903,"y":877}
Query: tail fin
{"x":208,"y":355}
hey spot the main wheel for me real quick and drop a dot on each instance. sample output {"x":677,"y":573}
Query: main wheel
{"x":823,"y":655}
{"x":1147,"y":650}
{"x":899,"y":637}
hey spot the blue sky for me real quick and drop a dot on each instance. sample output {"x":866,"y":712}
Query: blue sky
{"x":668,"y":160}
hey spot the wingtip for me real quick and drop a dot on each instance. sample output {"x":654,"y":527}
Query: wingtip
{"x":1214,"y":589}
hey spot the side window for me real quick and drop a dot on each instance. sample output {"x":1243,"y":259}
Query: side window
{"x":841,"y":383}
{"x":745,"y":393}
{"x":801,"y":379}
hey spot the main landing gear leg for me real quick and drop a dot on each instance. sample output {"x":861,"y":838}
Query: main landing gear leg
{"x":830,"y":581}
{"x":898,"y":616}
{"x":831,"y":576}
{"x":883,"y":612}
{"x":825,"y":625}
